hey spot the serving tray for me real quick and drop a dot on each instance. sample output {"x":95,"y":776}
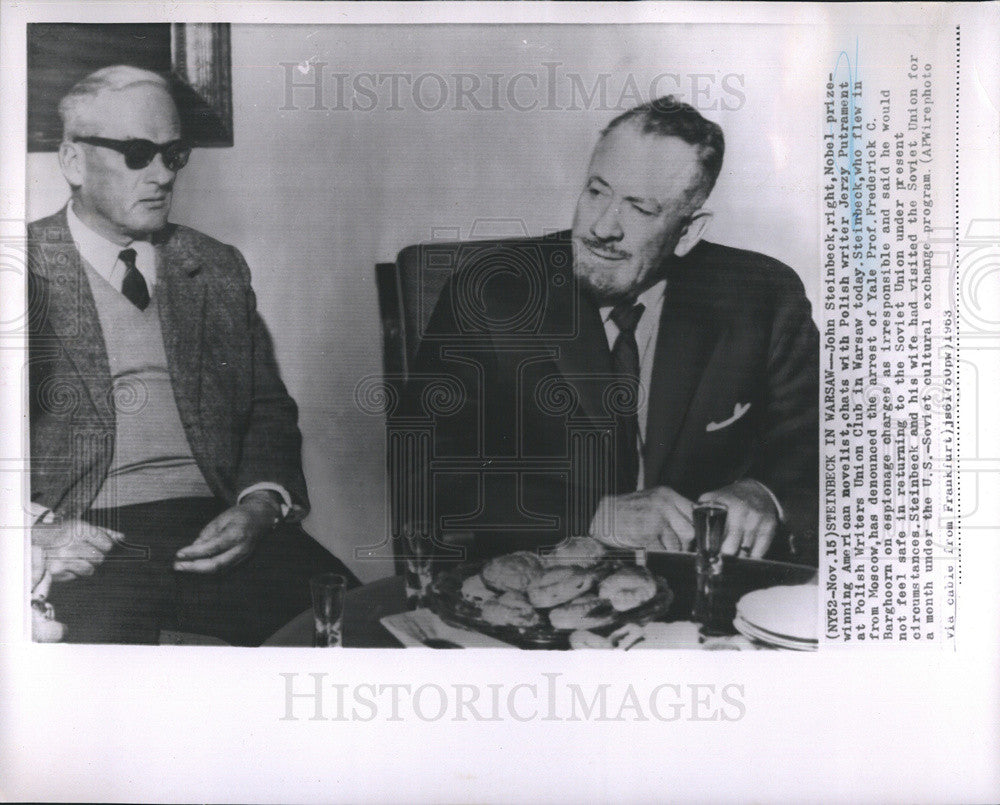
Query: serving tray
{"x":447,"y":602}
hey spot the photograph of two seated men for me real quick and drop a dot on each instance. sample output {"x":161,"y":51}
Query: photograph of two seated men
{"x":587,"y":387}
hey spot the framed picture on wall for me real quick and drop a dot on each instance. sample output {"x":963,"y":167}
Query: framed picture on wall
{"x":194,"y":57}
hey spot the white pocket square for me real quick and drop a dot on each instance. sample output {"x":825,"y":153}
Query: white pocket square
{"x":738,"y":411}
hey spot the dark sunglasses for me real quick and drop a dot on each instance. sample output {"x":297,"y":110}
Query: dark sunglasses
{"x":139,"y":153}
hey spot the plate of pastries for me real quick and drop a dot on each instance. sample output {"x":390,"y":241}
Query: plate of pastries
{"x":536,"y":600}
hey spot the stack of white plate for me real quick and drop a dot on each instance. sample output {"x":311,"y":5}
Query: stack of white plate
{"x":780,"y":616}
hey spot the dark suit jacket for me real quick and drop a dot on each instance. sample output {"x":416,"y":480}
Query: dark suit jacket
{"x":239,"y":420}
{"x":520,"y":451}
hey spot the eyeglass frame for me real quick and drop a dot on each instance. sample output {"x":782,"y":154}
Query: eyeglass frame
{"x":181,"y":151}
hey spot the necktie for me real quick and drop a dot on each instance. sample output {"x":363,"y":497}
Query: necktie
{"x":133,"y":286}
{"x":625,"y":359}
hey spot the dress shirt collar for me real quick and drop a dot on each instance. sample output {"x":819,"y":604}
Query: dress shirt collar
{"x":102,"y":254}
{"x":651,"y":299}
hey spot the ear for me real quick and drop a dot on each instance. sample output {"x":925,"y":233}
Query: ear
{"x":71,"y":163}
{"x":693,"y":232}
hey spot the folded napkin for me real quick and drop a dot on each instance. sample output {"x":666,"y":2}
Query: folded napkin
{"x":410,"y":627}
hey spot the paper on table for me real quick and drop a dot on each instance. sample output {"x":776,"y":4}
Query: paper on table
{"x":406,"y":627}
{"x":677,"y":635}
{"x":170,"y":637}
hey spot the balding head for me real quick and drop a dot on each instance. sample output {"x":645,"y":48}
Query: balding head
{"x":105,"y":112}
{"x":80,"y":109}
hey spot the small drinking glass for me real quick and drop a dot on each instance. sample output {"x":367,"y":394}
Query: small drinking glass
{"x":709,"y":534}
{"x":415,"y":543}
{"x":328,"y":608}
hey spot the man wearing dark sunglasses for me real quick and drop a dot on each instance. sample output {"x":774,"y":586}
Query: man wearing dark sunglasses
{"x":166,"y":493}
{"x":139,"y":153}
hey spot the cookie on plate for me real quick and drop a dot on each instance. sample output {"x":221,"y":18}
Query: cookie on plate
{"x":585,"y":612}
{"x":475,"y":591}
{"x":559,"y":585}
{"x":510,"y":609}
{"x":512,"y":572}
{"x":628,"y":588}
{"x":576,"y":552}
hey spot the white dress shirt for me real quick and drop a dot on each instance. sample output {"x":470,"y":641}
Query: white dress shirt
{"x":102,"y":254}
{"x":646,"y":332}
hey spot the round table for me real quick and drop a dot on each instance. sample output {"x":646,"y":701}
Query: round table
{"x":365,"y":606}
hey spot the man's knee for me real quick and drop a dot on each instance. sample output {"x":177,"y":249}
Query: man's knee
{"x":295,"y":555}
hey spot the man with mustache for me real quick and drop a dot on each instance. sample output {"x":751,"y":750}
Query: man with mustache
{"x":614,"y":376}
{"x":166,"y":481}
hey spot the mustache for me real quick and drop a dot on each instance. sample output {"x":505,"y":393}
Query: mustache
{"x":605,"y":247}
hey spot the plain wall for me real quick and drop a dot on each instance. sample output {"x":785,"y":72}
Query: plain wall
{"x":314,"y":198}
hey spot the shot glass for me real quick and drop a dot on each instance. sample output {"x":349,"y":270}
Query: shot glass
{"x":328,"y":609}
{"x":416,"y":543}
{"x":709,"y":534}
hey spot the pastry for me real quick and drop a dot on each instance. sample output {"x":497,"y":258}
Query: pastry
{"x":559,"y":585}
{"x":585,"y":612}
{"x":628,"y":588}
{"x":512,"y":572}
{"x":510,"y":609}
{"x":576,"y":552}
{"x":475,"y":591}
{"x":581,"y":638}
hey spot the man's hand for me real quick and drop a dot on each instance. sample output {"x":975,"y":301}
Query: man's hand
{"x":73,"y":548}
{"x":231,"y":537}
{"x":653,"y":517}
{"x":44,"y":627}
{"x":752,"y":521}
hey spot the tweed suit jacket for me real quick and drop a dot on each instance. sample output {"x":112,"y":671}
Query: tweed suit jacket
{"x":239,"y":420}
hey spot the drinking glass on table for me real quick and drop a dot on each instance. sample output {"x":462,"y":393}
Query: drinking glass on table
{"x":328,"y":591}
{"x":415,"y":543}
{"x":709,"y":534}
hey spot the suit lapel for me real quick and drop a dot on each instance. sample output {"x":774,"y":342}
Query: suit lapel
{"x":72,"y":314}
{"x":181,"y":303}
{"x":687,"y":337}
{"x":584,"y":360}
